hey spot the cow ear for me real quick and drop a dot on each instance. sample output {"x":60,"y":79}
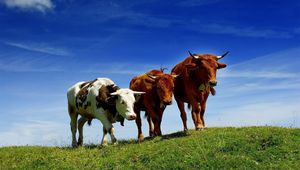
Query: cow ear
{"x":111,"y":100}
{"x":191,"y":66}
{"x":221,"y":65}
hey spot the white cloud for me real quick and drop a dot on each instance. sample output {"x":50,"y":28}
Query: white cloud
{"x":38,"y":5}
{"x":41,"y":47}
{"x":274,"y":113}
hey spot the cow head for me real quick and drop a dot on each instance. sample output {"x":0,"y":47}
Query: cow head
{"x":124,"y":102}
{"x":205,"y":67}
{"x":164,"y":86}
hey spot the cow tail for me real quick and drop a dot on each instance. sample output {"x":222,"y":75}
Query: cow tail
{"x":90,"y":122}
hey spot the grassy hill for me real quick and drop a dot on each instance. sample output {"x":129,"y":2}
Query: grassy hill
{"x":214,"y":148}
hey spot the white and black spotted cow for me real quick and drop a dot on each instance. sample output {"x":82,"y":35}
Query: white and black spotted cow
{"x":101,"y":99}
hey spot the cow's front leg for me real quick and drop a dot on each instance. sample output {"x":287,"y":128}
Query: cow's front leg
{"x":157,"y":129}
{"x":138,"y":122}
{"x":81,"y":123}
{"x":196,"y":116}
{"x":112,"y":136}
{"x":151,"y":125}
{"x":150,"y":112}
{"x":108,"y":128}
{"x":104,"y":141}
{"x":180,"y":105}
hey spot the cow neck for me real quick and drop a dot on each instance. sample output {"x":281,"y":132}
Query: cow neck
{"x":154,"y":91}
{"x":199,"y":84}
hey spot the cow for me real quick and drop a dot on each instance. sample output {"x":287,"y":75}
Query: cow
{"x":197,"y":79}
{"x":101,"y":99}
{"x":159,"y":91}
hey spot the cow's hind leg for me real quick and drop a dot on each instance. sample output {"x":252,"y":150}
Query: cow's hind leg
{"x":81,"y":123}
{"x":180,"y":105}
{"x":73,"y":116}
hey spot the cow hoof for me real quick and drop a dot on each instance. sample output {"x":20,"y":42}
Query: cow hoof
{"x":79,"y":143}
{"x":104,"y":144}
{"x":115,"y":143}
{"x":74,"y":145}
{"x":140,"y":138}
{"x":199,"y":128}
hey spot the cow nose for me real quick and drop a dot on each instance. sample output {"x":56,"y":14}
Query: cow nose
{"x":213,"y":83}
{"x":131,"y":117}
{"x":167,"y":102}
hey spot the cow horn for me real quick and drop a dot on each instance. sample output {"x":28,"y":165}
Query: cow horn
{"x":138,"y":92}
{"x":219,"y":57}
{"x":194,"y":56}
{"x":151,"y":76}
{"x":175,"y":76}
{"x":114,"y":93}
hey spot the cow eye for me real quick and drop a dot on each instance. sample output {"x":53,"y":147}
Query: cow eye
{"x":122,"y":102}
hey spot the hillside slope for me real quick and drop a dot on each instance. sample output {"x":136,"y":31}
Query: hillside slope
{"x":214,"y":148}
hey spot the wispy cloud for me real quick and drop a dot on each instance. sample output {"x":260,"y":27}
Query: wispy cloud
{"x":120,"y":68}
{"x":193,"y":3}
{"x":258,"y":74}
{"x":17,"y":64}
{"x":241,"y":31}
{"x":41,"y":48}
{"x":36,"y":5}
{"x":34,"y":132}
{"x":297,"y":30}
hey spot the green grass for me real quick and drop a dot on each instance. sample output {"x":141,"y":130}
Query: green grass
{"x":214,"y":148}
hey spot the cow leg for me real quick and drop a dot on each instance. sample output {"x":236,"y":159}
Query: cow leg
{"x":151,"y":125}
{"x":138,"y":122}
{"x":180,"y":105}
{"x":112,"y":136}
{"x":104,"y":141}
{"x":108,"y":127}
{"x":150,"y":112}
{"x":196,"y":116}
{"x":73,"y":123}
{"x":158,"y":121}
{"x":81,"y":122}
{"x":203,"y":106}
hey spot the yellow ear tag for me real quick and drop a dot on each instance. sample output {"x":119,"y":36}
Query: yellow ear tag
{"x":201,"y":87}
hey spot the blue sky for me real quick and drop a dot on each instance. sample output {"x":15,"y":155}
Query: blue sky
{"x":48,"y":45}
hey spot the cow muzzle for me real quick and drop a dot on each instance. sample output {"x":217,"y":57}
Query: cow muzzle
{"x":213,"y":83}
{"x":131,"y":117}
{"x":167,"y":102}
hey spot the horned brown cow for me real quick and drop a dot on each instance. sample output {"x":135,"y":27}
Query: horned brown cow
{"x":159,"y":91}
{"x":197,"y":79}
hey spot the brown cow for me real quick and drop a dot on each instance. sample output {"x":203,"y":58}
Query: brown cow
{"x":159,"y":91}
{"x":197,"y":79}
